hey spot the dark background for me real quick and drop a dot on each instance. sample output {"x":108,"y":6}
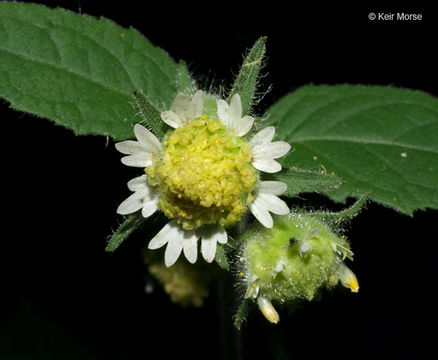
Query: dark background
{"x":68,"y":299}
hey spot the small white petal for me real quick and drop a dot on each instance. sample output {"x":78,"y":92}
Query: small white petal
{"x":143,"y":160}
{"x":271,"y":150}
{"x":149,"y":208}
{"x":138,"y":183}
{"x":261,"y":214}
{"x":198,"y":104}
{"x":263,"y":136}
{"x":235,"y":111}
{"x":131,"y":204}
{"x":171,"y":119}
{"x":221,"y":235}
{"x":272,"y":203}
{"x":190,"y":246}
{"x":280,"y":266}
{"x":129,"y":147}
{"x":174,"y":248}
{"x":244,"y":125}
{"x":222,"y":112}
{"x":208,"y":249}
{"x":267,"y":165}
{"x":211,"y":235}
{"x":146,"y":138}
{"x":272,"y":187}
{"x":182,"y":106}
{"x":168,"y":231}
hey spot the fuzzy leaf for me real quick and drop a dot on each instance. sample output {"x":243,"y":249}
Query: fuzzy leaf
{"x":131,"y":223}
{"x":149,"y":114}
{"x":241,"y":313}
{"x":379,"y":140}
{"x":221,"y":258}
{"x":246,"y":82}
{"x":80,"y":71}
{"x":340,"y":217}
{"x":299,"y":181}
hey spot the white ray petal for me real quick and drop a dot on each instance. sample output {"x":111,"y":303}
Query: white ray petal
{"x":261,"y":214}
{"x":149,"y":207}
{"x":171,"y":119}
{"x":208,"y":249}
{"x":267,"y":165}
{"x":263,"y":136}
{"x":272,"y":187}
{"x":129,"y":147}
{"x":131,"y":204}
{"x":190,"y":246}
{"x":222,"y":112}
{"x":211,"y":235}
{"x":244,"y":125}
{"x":168,"y":231}
{"x":235,"y":111}
{"x":198,"y":104}
{"x":174,"y":247}
{"x":182,"y":106}
{"x":271,"y":150}
{"x":138,"y":183}
{"x":146,"y":138}
{"x":143,"y":160}
{"x":221,"y":235}
{"x":272,"y":203}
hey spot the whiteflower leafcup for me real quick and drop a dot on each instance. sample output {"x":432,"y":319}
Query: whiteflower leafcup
{"x":203,"y":176}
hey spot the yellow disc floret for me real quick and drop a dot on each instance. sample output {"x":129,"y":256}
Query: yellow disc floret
{"x":205,"y":174}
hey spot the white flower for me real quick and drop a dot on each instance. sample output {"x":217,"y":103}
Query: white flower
{"x":147,"y":147}
{"x":184,"y":110}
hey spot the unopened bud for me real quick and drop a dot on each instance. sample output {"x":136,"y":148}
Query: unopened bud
{"x":347,"y":278}
{"x":268,"y":310}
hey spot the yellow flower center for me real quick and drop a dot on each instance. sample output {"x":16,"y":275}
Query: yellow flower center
{"x":205,"y":174}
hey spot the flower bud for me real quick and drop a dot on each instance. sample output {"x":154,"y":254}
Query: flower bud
{"x":268,"y":310}
{"x":347,"y":278}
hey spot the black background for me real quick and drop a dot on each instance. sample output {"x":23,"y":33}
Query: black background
{"x":68,"y":299}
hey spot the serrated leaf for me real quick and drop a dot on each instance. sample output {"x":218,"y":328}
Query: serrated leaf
{"x":130,"y":224}
{"x":221,"y":258}
{"x":246,"y":82}
{"x":80,"y":71}
{"x":379,"y":140}
{"x":299,"y":180}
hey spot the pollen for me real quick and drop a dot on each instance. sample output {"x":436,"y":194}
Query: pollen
{"x":205,"y":174}
{"x":354,"y":285}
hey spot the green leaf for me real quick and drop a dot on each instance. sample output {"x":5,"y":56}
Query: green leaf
{"x":80,"y":71}
{"x":299,"y":180}
{"x":379,"y":140}
{"x":185,"y":84}
{"x":246,"y":82}
{"x":131,"y":223}
{"x":241,"y":313}
{"x":221,"y":258}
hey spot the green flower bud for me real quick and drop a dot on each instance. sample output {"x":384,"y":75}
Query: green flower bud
{"x":293,"y":261}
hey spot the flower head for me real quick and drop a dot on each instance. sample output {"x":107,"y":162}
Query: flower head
{"x":203,"y":176}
